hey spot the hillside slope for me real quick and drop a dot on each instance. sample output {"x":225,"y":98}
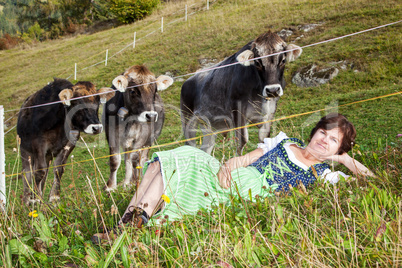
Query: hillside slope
{"x":217,"y":33}
{"x":355,"y":223}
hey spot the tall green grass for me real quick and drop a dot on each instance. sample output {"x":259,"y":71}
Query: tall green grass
{"x":356,"y":223}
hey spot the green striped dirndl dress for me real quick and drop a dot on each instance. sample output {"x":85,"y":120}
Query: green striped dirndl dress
{"x":190,"y":182}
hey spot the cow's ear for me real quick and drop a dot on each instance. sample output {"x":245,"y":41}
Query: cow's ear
{"x":294,"y":54}
{"x":163,"y":82}
{"x":65,"y":95}
{"x":106,"y":94}
{"x":120,"y":83}
{"x":244,"y":57}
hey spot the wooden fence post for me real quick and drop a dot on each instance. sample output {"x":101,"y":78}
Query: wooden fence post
{"x":2,"y":162}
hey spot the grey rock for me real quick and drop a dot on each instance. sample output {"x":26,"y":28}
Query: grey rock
{"x":312,"y":76}
{"x":343,"y":65}
{"x":299,"y":37}
{"x":169,"y":74}
{"x":284,"y":33}
{"x":309,"y":27}
{"x":206,"y":63}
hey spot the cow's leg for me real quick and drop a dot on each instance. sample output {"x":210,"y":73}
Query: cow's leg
{"x":208,"y":139}
{"x":27,"y":169}
{"x":241,"y":133}
{"x":242,"y":138}
{"x":190,"y":130}
{"x":268,"y":111}
{"x":114,"y":162}
{"x":40,"y":170}
{"x":132,"y":161}
{"x":59,"y":164}
{"x":112,"y":131}
{"x":189,"y":122}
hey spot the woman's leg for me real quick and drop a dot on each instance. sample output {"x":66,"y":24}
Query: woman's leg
{"x":146,"y":199}
{"x":148,"y":194}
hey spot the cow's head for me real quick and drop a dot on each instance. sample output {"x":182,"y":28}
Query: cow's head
{"x":82,"y":113}
{"x":271,"y":68}
{"x":139,"y":87}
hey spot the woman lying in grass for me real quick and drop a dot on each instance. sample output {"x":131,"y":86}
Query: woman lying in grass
{"x":188,"y":179}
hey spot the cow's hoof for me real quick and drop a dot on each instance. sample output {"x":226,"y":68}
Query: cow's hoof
{"x":33,"y":201}
{"x":125,"y":185}
{"x":54,"y":199}
{"x":109,"y":189}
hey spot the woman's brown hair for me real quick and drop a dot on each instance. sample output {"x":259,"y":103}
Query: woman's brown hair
{"x":335,"y":120}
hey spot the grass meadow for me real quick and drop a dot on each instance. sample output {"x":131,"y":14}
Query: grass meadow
{"x":356,"y":223}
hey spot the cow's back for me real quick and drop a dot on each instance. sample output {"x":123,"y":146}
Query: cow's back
{"x":33,"y":122}
{"x":214,"y":91}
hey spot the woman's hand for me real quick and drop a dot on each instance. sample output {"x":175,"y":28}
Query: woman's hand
{"x":224,"y":173}
{"x":224,"y":176}
{"x":353,"y":165}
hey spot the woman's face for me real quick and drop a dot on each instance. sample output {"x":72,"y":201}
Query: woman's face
{"x":326,"y":142}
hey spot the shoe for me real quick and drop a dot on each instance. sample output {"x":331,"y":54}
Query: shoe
{"x":141,"y":218}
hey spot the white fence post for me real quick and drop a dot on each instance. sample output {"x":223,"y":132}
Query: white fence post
{"x":2,"y":161}
{"x":207,"y":4}
{"x":107,"y":51}
{"x":75,"y":72}
{"x":135,"y":34}
{"x":185,"y":17}
{"x":162,"y":25}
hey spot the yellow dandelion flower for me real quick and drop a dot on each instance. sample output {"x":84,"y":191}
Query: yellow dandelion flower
{"x":35,"y":215}
{"x":166,"y":198}
{"x":138,"y":167}
{"x":30,"y":214}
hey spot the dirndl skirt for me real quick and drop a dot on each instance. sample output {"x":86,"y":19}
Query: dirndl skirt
{"x":190,"y":182}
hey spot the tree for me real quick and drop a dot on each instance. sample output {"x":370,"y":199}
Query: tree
{"x":8,"y":18}
{"x":128,"y":11}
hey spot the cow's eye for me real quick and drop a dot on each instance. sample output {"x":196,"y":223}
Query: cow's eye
{"x":283,"y":61}
{"x":258,"y":64}
{"x":135,"y":93}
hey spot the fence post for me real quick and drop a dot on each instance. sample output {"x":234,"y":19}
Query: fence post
{"x":207,"y":4}
{"x":135,"y":34}
{"x":162,"y":25}
{"x":107,"y":51}
{"x":185,"y":17}
{"x":75,"y":72}
{"x":2,"y":162}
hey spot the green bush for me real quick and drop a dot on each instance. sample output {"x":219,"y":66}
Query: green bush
{"x":128,"y":11}
{"x":35,"y":32}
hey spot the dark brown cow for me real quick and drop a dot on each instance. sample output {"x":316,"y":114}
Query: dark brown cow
{"x":133,"y":119}
{"x":51,"y":131}
{"x":243,"y":93}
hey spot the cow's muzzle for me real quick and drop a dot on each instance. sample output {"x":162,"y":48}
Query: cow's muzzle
{"x":149,"y":116}
{"x":93,"y":129}
{"x":272,"y":91}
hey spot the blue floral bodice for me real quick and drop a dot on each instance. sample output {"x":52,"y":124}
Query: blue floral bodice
{"x":278,"y":169}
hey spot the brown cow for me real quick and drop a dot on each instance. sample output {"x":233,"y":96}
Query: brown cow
{"x":51,"y":131}
{"x":133,"y":119}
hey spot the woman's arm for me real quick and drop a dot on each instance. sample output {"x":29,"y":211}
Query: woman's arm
{"x":353,"y":165}
{"x":236,"y":162}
